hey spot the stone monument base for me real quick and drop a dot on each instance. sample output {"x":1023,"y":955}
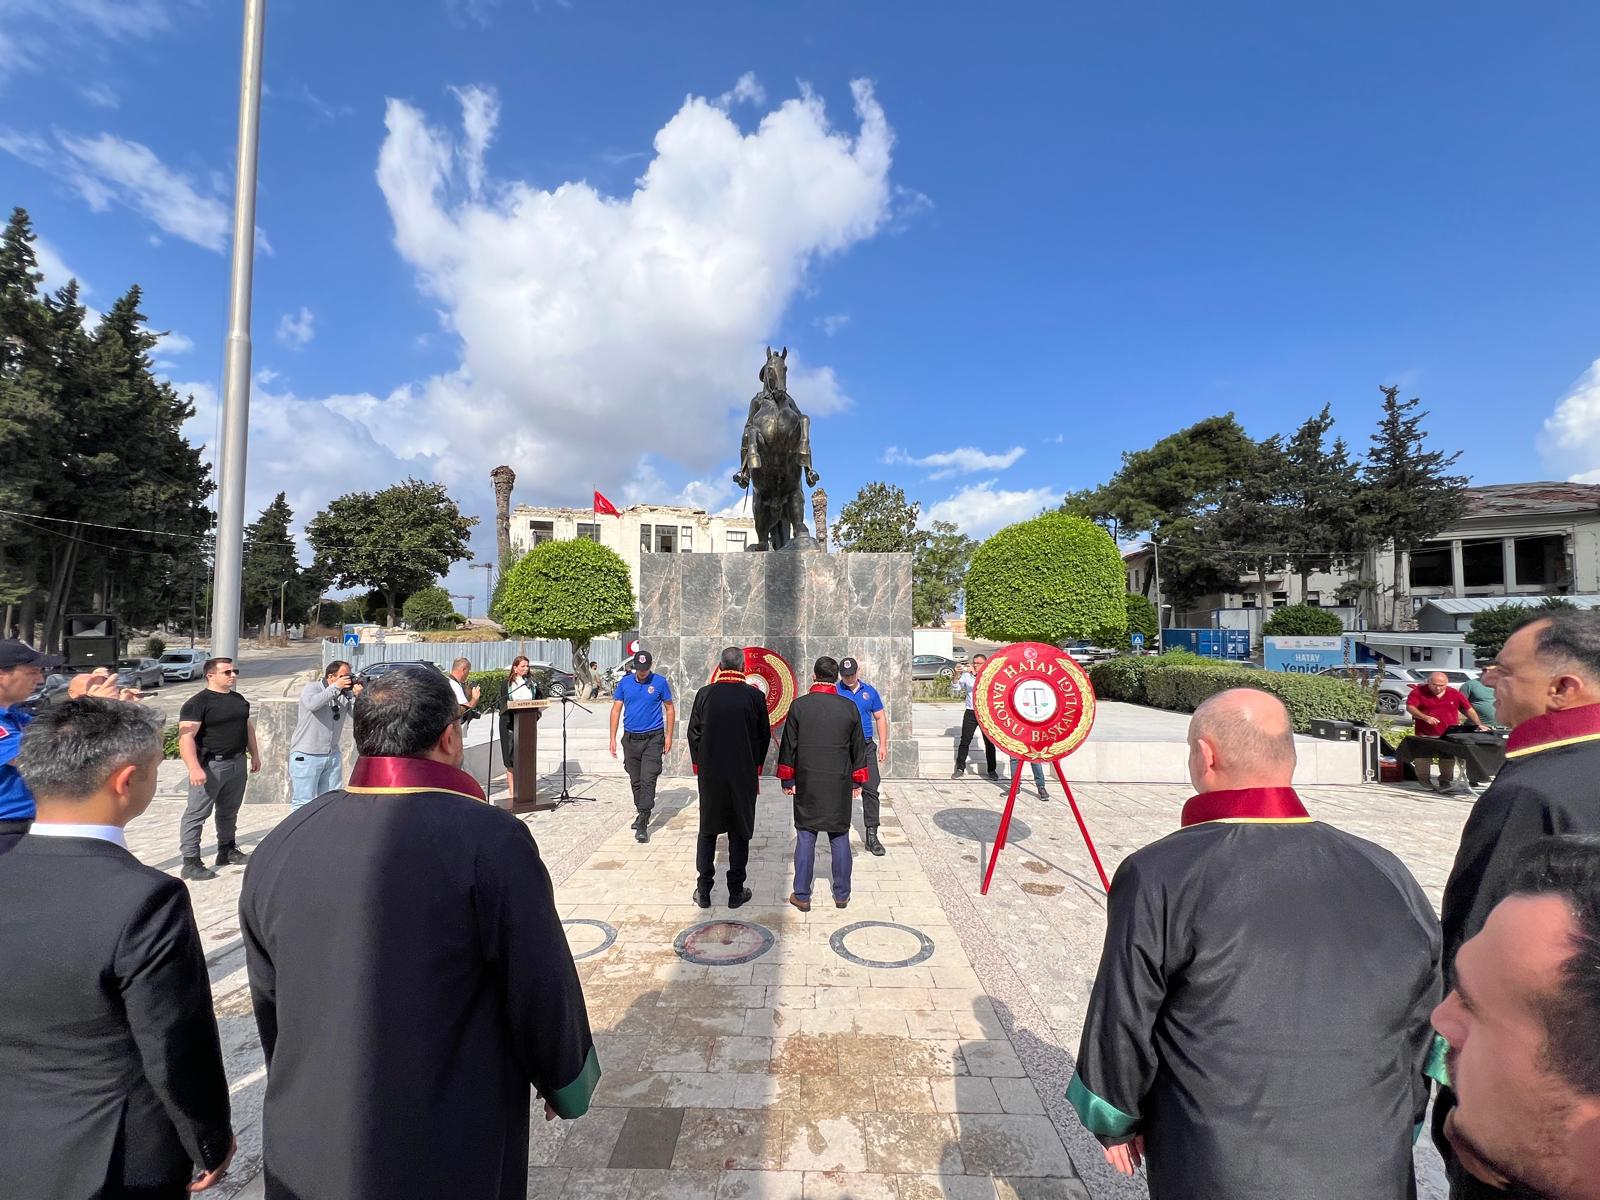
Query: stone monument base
{"x":802,"y":605}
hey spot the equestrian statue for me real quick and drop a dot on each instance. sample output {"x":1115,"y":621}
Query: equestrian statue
{"x":776,"y":450}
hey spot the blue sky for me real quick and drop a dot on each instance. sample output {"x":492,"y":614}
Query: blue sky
{"x":1003,"y":247}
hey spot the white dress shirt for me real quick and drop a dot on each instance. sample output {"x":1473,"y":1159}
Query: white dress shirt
{"x":101,"y":833}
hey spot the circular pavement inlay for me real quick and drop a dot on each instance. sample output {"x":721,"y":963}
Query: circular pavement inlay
{"x":607,"y":935}
{"x":882,"y":937}
{"x":723,"y":943}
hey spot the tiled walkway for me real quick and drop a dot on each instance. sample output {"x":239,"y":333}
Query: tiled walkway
{"x":799,"y":1072}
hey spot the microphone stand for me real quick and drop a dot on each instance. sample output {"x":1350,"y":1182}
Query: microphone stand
{"x":567,"y":797}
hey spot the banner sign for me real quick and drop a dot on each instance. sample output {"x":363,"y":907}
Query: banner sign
{"x":1304,"y":655}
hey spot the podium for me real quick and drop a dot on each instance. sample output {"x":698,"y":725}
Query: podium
{"x":524,"y":716}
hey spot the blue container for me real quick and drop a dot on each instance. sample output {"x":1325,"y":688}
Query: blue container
{"x":1231,"y":645}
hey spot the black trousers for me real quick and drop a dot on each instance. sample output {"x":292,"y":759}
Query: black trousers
{"x":641,"y":756}
{"x":969,"y":726}
{"x":705,"y":858}
{"x":869,"y":790}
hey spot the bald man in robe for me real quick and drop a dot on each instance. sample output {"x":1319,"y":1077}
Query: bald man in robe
{"x":1259,"y":1023}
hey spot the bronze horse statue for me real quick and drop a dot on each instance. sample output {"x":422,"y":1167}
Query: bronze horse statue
{"x":775,"y":451}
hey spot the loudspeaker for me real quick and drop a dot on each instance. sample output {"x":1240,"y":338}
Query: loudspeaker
{"x":91,"y":640}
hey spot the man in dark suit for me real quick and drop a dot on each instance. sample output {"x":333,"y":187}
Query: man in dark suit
{"x":111,"y":1077}
{"x":729,"y":734}
{"x":822,"y":765}
{"x":410,"y":975}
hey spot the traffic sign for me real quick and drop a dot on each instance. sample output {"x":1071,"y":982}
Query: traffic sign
{"x":1137,"y":639}
{"x":351,"y":637}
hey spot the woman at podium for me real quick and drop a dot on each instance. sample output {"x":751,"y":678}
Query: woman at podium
{"x":521,"y":684}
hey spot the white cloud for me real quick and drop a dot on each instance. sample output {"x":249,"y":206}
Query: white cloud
{"x":173,"y":342}
{"x":106,"y":170}
{"x":101,"y":95}
{"x":297,"y":329}
{"x":833,"y":322}
{"x":979,"y":510}
{"x":480,"y":113}
{"x":963,"y":460}
{"x":587,"y":320}
{"x":35,"y":30}
{"x":747,"y":90}
{"x":1570,"y":440}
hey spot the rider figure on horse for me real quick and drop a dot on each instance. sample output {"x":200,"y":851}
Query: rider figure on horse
{"x":774,"y":378}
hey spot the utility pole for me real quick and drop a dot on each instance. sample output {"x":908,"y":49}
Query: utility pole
{"x":229,"y":564}
{"x":283,"y":619}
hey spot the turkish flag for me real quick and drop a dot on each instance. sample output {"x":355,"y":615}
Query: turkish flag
{"x":602,"y":505}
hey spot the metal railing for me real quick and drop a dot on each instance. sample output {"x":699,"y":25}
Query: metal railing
{"x":484,"y":656}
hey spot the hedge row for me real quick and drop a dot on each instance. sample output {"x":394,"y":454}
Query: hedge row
{"x":1183,"y":686}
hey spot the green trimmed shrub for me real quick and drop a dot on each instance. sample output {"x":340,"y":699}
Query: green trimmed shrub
{"x":1049,"y":579}
{"x":154,"y":647}
{"x":430,"y":608}
{"x":492,"y":685}
{"x":1302,"y":620}
{"x":169,"y":741}
{"x":1122,"y":679}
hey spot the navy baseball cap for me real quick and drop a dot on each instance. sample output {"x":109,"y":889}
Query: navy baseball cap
{"x":19,"y":654}
{"x":848,"y":666}
{"x":641,"y":661}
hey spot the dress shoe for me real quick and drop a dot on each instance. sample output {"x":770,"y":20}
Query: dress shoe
{"x":845,"y":903}
{"x":702,"y":899}
{"x":802,"y":905}
{"x":873,"y":844}
{"x":231,"y":856}
{"x":740,"y":898}
{"x":195,"y":868}
{"x":992,"y":774}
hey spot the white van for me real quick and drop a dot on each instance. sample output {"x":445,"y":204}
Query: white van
{"x":183,"y":664}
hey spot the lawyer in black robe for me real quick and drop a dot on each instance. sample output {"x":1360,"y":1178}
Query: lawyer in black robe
{"x":1550,"y":784}
{"x":822,"y":760}
{"x":1260,"y":1015}
{"x":411,"y":980}
{"x":729,"y":734}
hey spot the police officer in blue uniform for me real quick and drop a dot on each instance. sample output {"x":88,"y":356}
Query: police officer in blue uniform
{"x":21,"y":670}
{"x":875,"y":726}
{"x":643,"y":703}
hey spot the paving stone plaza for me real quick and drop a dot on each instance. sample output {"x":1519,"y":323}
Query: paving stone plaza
{"x":912,"y":1046}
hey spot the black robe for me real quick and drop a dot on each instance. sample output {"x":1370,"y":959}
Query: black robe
{"x":1550,"y":784}
{"x":1260,"y":1014}
{"x":728,"y":738}
{"x":824,"y":753}
{"x":411,"y":980}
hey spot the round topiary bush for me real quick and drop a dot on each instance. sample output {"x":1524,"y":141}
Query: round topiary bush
{"x":1302,"y":620}
{"x":1049,"y":579}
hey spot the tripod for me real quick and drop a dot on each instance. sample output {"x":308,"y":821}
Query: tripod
{"x":567,"y":797}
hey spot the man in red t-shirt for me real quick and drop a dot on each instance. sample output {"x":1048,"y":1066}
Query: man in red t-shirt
{"x":1435,"y":706}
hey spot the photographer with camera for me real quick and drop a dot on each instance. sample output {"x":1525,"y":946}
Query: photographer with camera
{"x":315,"y":763}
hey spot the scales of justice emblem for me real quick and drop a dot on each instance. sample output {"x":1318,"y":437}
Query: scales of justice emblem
{"x":1035,"y":703}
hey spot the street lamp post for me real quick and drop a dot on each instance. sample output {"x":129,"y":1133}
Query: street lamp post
{"x":283,"y":618}
{"x":488,"y":585}
{"x":229,"y":563}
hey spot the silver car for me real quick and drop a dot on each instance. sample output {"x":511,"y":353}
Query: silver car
{"x":139,"y":673}
{"x":183,"y":664}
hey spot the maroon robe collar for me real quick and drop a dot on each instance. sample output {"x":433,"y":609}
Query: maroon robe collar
{"x":399,"y":775}
{"x":825,"y":687}
{"x":1245,"y":804}
{"x":1559,"y":728}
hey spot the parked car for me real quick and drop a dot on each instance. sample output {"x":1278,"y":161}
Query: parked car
{"x":183,"y":664}
{"x":1086,"y":655}
{"x":139,"y":673}
{"x":933,"y":666}
{"x":51,"y":690}
{"x":553,"y":681}
{"x":960,"y":654}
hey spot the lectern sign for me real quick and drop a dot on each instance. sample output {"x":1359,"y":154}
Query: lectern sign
{"x":1034,"y":702}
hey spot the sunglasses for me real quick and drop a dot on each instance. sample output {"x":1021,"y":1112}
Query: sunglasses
{"x":227,"y":672}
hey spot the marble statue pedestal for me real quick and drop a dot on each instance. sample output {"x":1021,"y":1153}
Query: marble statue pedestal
{"x":803,"y":605}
